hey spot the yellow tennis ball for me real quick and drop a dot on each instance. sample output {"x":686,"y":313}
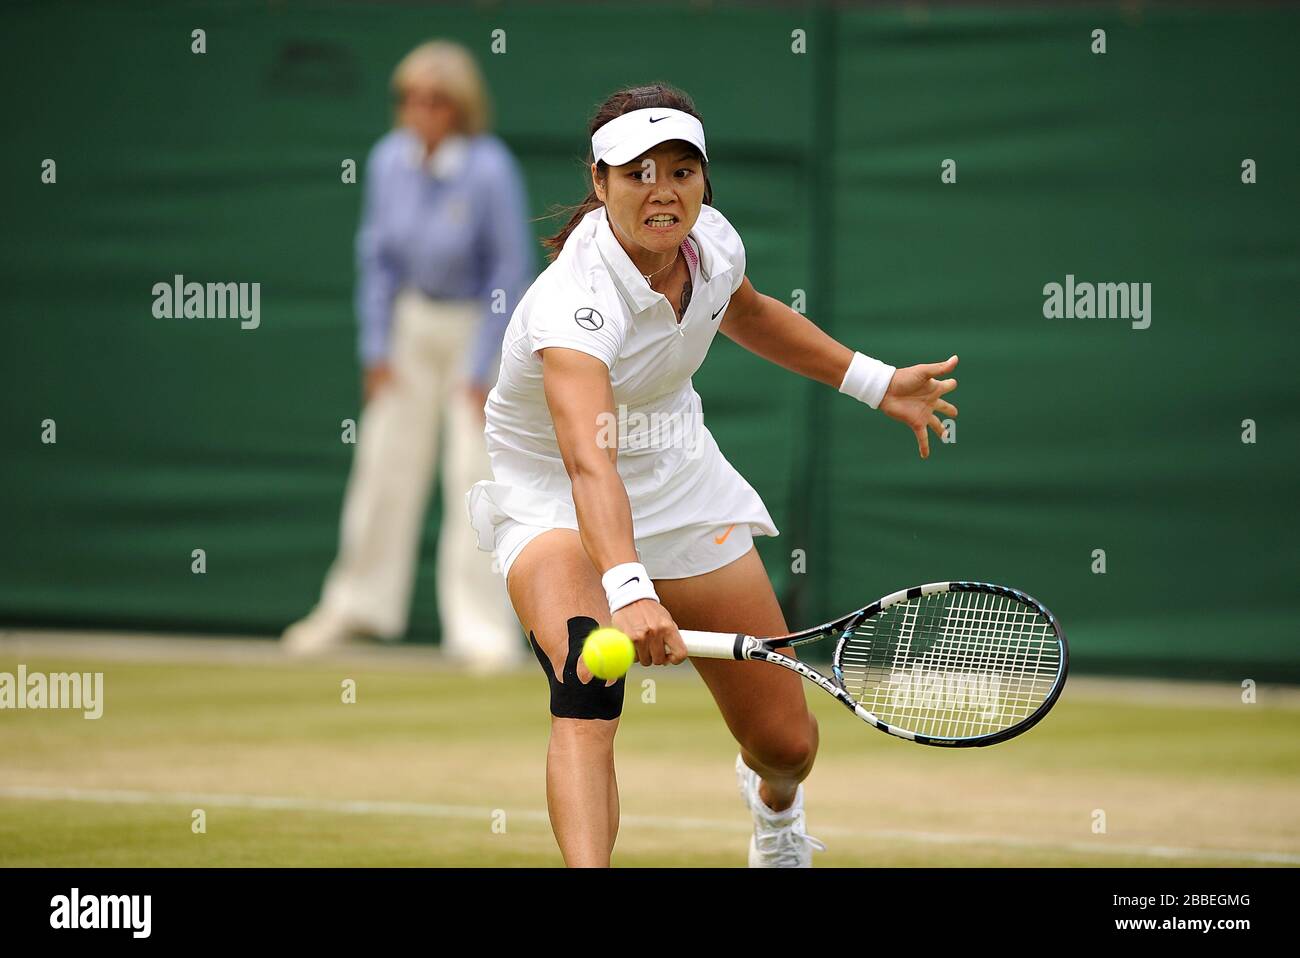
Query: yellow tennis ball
{"x":608,"y":653}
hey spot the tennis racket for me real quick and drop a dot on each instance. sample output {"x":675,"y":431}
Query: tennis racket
{"x":953,"y":664}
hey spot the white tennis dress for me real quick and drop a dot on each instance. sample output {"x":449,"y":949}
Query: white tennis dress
{"x":692,"y":512}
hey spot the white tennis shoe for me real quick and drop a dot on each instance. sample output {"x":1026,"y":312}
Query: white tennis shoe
{"x":779,"y":839}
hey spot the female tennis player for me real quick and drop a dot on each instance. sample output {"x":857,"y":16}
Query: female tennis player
{"x":611,"y":502}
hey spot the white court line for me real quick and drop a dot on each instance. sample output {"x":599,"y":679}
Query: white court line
{"x":425,"y":810}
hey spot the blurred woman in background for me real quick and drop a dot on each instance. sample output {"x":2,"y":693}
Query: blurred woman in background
{"x":444,"y":253}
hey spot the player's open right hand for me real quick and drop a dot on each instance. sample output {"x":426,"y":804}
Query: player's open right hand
{"x":652,"y":631}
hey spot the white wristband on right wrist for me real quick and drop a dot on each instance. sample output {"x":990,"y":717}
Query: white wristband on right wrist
{"x":867,"y":380}
{"x":626,"y":583}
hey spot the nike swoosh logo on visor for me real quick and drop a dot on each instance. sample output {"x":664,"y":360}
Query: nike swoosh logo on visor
{"x":656,"y":119}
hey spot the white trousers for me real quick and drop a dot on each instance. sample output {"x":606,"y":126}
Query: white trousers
{"x":371,"y":580}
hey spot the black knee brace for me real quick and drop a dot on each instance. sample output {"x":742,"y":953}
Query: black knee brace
{"x":570,"y":698}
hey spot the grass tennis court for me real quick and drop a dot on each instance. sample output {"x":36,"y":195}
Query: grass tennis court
{"x":428,"y":761}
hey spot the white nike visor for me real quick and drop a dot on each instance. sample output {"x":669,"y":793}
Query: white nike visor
{"x":626,"y":137}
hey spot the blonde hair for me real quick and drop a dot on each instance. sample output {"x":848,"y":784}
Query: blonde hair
{"x":451,"y":70}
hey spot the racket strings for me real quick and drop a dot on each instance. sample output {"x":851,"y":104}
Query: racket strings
{"x":952,"y":664}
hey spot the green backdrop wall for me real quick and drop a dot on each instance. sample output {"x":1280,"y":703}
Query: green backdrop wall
{"x":1075,"y":435}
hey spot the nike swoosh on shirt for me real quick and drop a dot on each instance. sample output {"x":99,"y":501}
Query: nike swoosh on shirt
{"x":720,"y":309}
{"x":724,"y":535}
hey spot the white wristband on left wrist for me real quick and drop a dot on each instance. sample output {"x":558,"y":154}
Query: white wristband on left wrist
{"x":867,"y":380}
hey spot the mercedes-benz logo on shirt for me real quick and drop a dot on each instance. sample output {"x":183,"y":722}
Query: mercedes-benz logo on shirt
{"x":588,"y":318}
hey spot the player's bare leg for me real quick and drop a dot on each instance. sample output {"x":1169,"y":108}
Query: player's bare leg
{"x":551,"y":582}
{"x":764,"y":708}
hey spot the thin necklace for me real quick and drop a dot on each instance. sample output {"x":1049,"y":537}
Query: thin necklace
{"x":650,"y":276}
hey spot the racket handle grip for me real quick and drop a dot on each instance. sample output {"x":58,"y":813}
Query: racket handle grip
{"x":712,"y":645}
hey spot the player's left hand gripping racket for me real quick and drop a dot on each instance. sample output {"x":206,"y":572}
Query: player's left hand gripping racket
{"x":954,"y":664}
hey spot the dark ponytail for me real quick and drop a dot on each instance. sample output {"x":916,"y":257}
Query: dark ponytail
{"x":655,"y":96}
